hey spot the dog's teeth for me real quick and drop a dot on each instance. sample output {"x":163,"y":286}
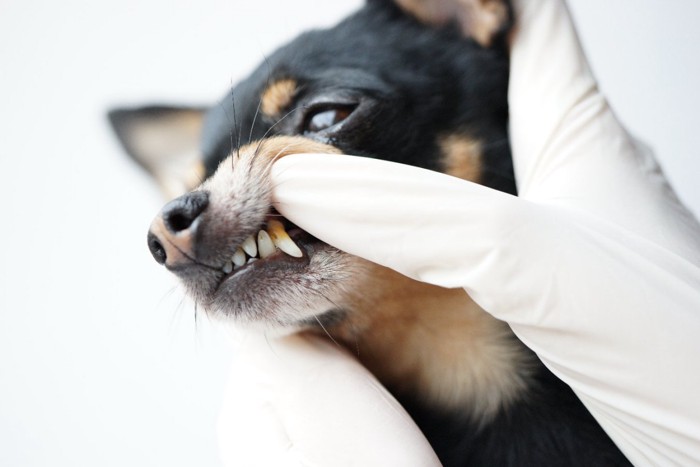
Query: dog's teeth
{"x":250,"y":247}
{"x":265,"y":245}
{"x":282,"y":240}
{"x":228,"y":267}
{"x":251,"y":260}
{"x":238,"y":257}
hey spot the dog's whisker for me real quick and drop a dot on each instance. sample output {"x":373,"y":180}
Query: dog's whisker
{"x":234,"y":127}
{"x":167,"y":294}
{"x":257,"y":110}
{"x":196,"y":314}
{"x":267,"y":133}
{"x":276,"y":157}
{"x":178,"y":311}
{"x":315,"y":316}
{"x":252,"y":125}
{"x":326,"y":331}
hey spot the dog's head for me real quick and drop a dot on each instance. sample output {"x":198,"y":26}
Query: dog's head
{"x":407,"y":83}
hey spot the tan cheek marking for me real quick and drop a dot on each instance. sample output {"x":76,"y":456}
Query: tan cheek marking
{"x":275,"y":148}
{"x":251,"y":165}
{"x":433,"y":342}
{"x":461,"y":156}
{"x":281,"y":146}
{"x":277,"y":97}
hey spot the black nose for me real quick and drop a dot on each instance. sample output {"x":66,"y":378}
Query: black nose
{"x":180,"y":213}
{"x":157,"y":249}
{"x":172,"y":232}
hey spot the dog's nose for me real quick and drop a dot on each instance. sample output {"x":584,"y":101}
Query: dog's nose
{"x":171,"y":238}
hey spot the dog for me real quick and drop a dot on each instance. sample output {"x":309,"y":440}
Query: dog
{"x":402,"y":82}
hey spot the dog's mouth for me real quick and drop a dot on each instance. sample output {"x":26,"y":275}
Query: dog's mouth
{"x":261,"y":268}
{"x":277,"y":243}
{"x":278,"y":277}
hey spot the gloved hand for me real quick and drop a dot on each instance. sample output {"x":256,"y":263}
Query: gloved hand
{"x":300,"y":400}
{"x":596,"y":267}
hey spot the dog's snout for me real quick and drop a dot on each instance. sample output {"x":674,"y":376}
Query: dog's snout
{"x":171,"y":238}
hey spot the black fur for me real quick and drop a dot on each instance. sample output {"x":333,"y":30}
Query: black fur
{"x":550,"y":427}
{"x":411,"y":82}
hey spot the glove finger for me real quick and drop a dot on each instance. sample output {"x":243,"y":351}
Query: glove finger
{"x":568,"y":147}
{"x":406,"y":218}
{"x":549,"y":77}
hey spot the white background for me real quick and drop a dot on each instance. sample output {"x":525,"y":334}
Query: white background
{"x":101,"y":361}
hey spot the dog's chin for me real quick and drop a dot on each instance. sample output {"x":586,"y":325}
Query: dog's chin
{"x":282,"y":294}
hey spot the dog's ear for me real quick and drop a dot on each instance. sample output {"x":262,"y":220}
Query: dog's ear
{"x":165,"y":141}
{"x":485,"y":21}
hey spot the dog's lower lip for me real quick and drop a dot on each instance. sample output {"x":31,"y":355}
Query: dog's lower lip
{"x":278,"y":256}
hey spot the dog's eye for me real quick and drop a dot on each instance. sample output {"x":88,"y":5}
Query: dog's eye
{"x":326,"y":117}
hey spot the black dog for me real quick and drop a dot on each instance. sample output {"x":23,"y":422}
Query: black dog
{"x":384,"y":84}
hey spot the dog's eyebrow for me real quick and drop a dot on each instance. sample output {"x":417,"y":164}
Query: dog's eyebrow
{"x":278,"y":96}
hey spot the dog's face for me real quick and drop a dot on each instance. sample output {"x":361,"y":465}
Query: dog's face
{"x":380,"y":84}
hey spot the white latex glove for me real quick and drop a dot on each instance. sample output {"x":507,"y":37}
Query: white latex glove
{"x":302,"y":401}
{"x":596,"y":267}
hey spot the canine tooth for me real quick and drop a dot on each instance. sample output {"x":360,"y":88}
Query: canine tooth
{"x":265,"y":245}
{"x":228,"y":267}
{"x":238,"y":257}
{"x":250,"y":247}
{"x":282,"y":240}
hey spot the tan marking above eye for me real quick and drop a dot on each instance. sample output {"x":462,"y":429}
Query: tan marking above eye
{"x":461,"y":156}
{"x":277,"y":96}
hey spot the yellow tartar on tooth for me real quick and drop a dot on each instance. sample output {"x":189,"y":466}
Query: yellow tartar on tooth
{"x":282,"y":240}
